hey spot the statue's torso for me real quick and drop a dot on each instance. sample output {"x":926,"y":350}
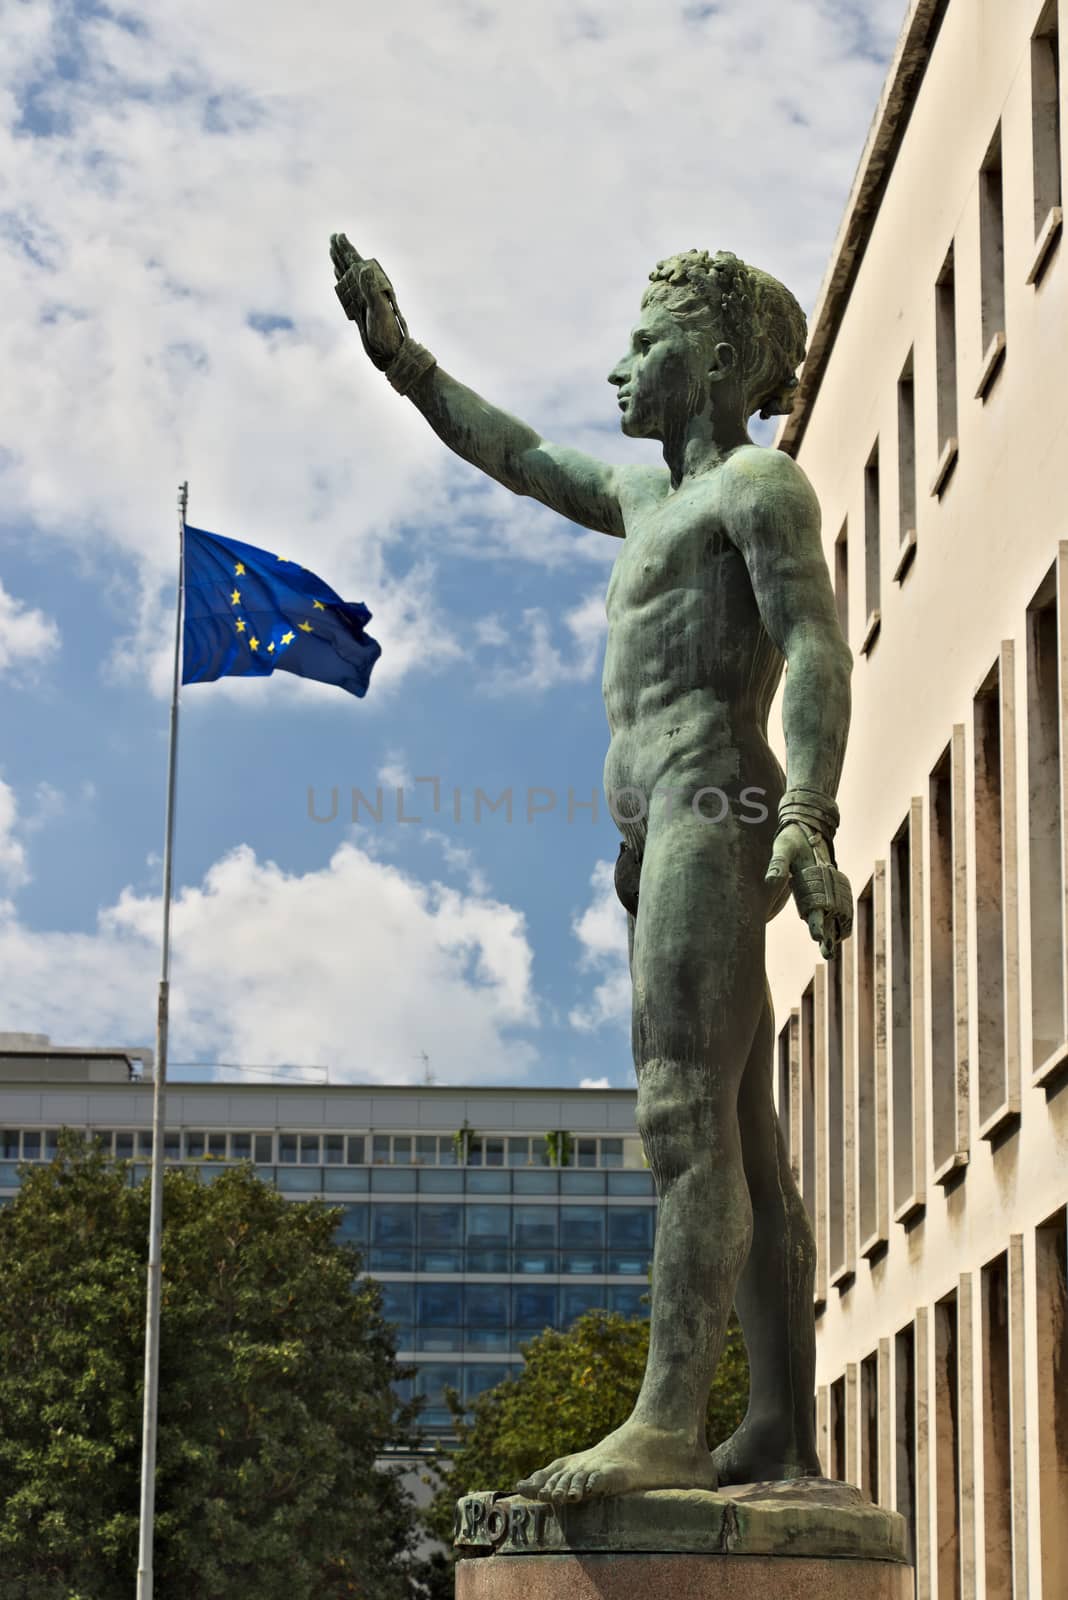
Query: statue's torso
{"x":689,"y":668}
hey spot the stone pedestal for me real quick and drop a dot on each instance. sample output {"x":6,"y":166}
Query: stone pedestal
{"x":806,"y":1540}
{"x":633,"y":1576}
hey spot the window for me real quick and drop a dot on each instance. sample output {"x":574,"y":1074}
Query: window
{"x":309,"y":1149}
{"x":630,"y":1240}
{"x":808,"y":1101}
{"x":487,"y":1305}
{"x":582,"y":1239}
{"x":1045,"y":808}
{"x":1052,"y":1408}
{"x":837,"y":1467}
{"x":946,"y":371}
{"x":9,"y":1144}
{"x":263,"y":1147}
{"x":426,"y":1150}
{"x":836,"y":1153}
{"x":31,"y":1145}
{"x":172,"y":1144}
{"x":948,"y":963}
{"x":487,"y":1228}
{"x":577,"y":1299}
{"x":866,"y":1071}
{"x":841,"y":579}
{"x":991,"y":263}
{"x":905,"y":1431}
{"x":611,"y":1152}
{"x":534,"y":1308}
{"x":287,"y":1147}
{"x":402,"y":1150}
{"x":629,"y":1300}
{"x":333,"y":1149}
{"x":1045,"y":136}
{"x":585,"y":1153}
{"x":995,"y":895}
{"x":901,"y":981}
{"x":869,"y":1427}
{"x":783,"y":1083}
{"x":872,"y":554}
{"x":355,"y":1148}
{"x":392,"y":1237}
{"x":352,"y":1229}
{"x":997,"y":1439}
{"x":51,"y":1143}
{"x":144,"y":1144}
{"x":241,"y":1147}
{"x":946,"y":1432}
{"x":906,"y":468}
{"x":124,"y":1146}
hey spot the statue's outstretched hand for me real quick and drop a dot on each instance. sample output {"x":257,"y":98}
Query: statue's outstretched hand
{"x":821,"y":892}
{"x":368,"y":300}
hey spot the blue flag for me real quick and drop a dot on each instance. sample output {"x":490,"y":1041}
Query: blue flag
{"x":248,"y":612}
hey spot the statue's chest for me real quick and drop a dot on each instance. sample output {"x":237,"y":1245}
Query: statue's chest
{"x":676,"y":548}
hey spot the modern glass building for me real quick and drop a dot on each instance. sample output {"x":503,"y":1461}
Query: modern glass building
{"x":487,"y":1216}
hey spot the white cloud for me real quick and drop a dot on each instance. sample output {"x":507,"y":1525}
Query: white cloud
{"x":14,"y":870}
{"x":347,"y":966}
{"x":27,"y":636}
{"x":540,"y":159}
{"x":594,"y":1083}
{"x":601,"y":930}
{"x":543,"y":664}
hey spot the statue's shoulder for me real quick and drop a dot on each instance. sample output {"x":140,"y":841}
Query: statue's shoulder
{"x":755,"y":475}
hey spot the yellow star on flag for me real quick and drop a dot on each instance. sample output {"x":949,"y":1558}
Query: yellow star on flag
{"x":283,"y":561}
{"x":305,"y":627}
{"x":287,"y":636}
{"x":241,"y":624}
{"x":239,"y":570}
{"x":235,"y":598}
{"x":318,"y":604}
{"x":254,"y":644}
{"x":270,"y":647}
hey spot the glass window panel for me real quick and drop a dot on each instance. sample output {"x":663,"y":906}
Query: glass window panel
{"x":195,"y":1143}
{"x":440,"y":1223}
{"x":51,"y":1143}
{"x":391,"y":1258}
{"x":346,"y":1180}
{"x":582,"y":1262}
{"x":493,"y":1150}
{"x":380,"y":1149}
{"x":439,"y":1305}
{"x":446,"y":1152}
{"x":309,"y":1149}
{"x":9,"y":1144}
{"x":534,"y":1227}
{"x":486,"y":1305}
{"x":31,"y":1146}
{"x":630,"y":1228}
{"x":479,"y":1378}
{"x":627,"y":1264}
{"x":172,"y":1144}
{"x":438,"y":1182}
{"x":578,"y":1298}
{"x":124,"y":1146}
{"x":217,"y":1145}
{"x":489,"y":1182}
{"x":518,"y":1152}
{"x":534,"y":1306}
{"x":352,"y":1228}
{"x":487,"y":1340}
{"x":431,"y":1381}
{"x":300,"y":1180}
{"x":572,"y":1182}
{"x":287,"y":1147}
{"x":442,"y":1340}
{"x":630,"y":1183}
{"x":487,"y":1224}
{"x":263,"y":1147}
{"x":9,"y":1175}
{"x":582,"y":1227}
{"x":523,"y":1336}
{"x":535,"y":1261}
{"x":266,"y":1174}
{"x":474,"y":1152}
{"x":394,"y":1181}
{"x":354,"y":1149}
{"x":404,"y":1336}
{"x":241,"y":1147}
{"x":479,"y":1260}
{"x":585,"y":1152}
{"x":611,"y":1152}
{"x":398,"y":1302}
{"x":333,"y":1149}
{"x":402,"y":1150}
{"x":392,"y":1224}
{"x":440,"y":1260}
{"x":628,"y":1300}
{"x":103,"y":1137}
{"x":533,"y":1181}
{"x":539,"y":1152}
{"x":144,"y":1142}
{"x":426,"y":1150}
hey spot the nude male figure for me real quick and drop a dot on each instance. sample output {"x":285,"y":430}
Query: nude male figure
{"x":719,"y":579}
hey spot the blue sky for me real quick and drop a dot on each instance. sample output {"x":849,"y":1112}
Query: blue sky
{"x":171,"y":175}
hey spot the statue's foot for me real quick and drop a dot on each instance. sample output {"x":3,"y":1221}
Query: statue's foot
{"x":756,"y":1454}
{"x":632,"y":1458}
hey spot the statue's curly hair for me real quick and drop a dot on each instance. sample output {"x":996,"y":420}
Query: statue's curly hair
{"x":720,"y":295}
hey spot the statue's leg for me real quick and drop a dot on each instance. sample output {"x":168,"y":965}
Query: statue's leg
{"x":774,"y":1295}
{"x":698,"y":974}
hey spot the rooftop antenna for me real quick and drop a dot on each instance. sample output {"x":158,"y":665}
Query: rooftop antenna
{"x":428,"y":1076}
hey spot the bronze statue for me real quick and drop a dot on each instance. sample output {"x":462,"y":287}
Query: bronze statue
{"x":720,"y":578}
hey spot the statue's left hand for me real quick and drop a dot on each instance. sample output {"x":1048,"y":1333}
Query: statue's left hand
{"x":368,"y":300}
{"x":821,"y":892}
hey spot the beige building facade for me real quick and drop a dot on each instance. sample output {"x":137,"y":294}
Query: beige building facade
{"x":923,"y":1076}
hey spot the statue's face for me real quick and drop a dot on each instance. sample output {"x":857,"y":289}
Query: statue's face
{"x":657,"y":375}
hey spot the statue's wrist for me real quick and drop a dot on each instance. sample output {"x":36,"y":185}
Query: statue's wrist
{"x":408,"y":365}
{"x":812,"y":809}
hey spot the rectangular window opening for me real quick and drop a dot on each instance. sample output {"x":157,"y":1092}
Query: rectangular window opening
{"x":835,"y":1118}
{"x":872,"y":553}
{"x":838,"y":1430}
{"x":808,"y":1101}
{"x":906,"y":453}
{"x":992,"y":244}
{"x":1052,"y":1409}
{"x":905,"y":1432}
{"x":1045,"y":804}
{"x":867,"y":1144}
{"x":901,"y":1012}
{"x":997,"y":1438}
{"x":1046,"y":115}
{"x":946,"y":355}
{"x":989,"y":897}
{"x":942,"y":965}
{"x":841,"y":579}
{"x":947,"y":1450}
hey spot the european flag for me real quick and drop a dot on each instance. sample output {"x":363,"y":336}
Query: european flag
{"x":248,"y":612}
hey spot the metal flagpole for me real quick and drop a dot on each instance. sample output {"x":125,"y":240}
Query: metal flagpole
{"x":155,"y":1226}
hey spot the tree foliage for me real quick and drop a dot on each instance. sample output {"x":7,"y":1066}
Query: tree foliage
{"x":574,"y":1388}
{"x":275,"y":1395}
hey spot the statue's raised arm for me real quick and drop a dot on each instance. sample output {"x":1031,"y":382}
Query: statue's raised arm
{"x":579,"y":487}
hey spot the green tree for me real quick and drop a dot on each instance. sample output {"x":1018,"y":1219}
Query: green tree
{"x":574,"y":1388}
{"x":275,"y":1395}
